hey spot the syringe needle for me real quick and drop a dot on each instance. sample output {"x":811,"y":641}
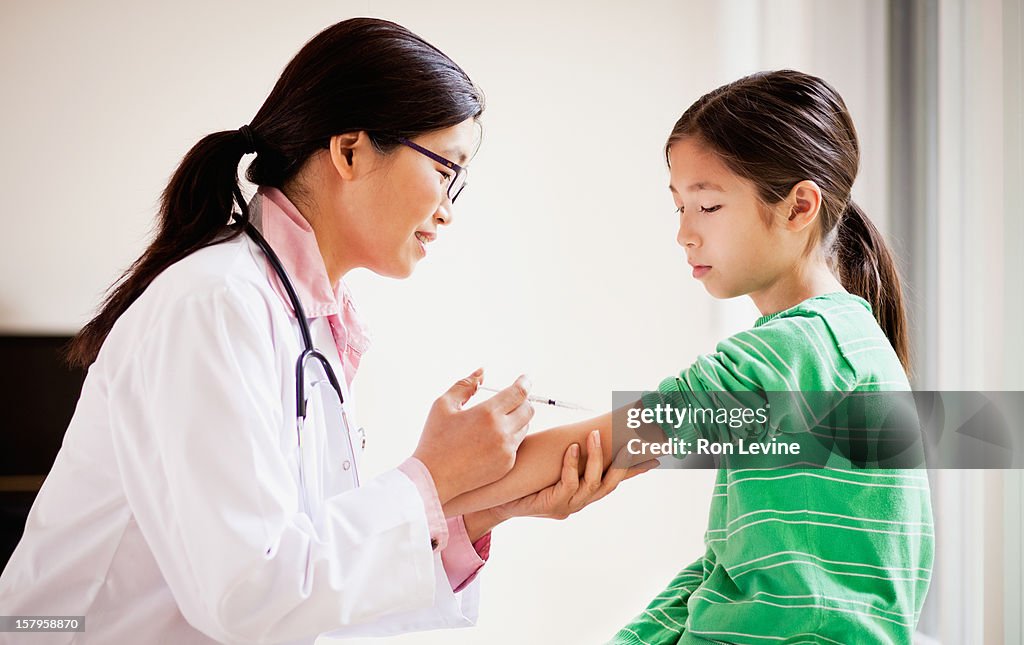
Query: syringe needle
{"x":544,"y":400}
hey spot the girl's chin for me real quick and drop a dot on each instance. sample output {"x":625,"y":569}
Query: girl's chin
{"x":718,"y":292}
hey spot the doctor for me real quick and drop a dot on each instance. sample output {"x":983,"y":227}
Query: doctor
{"x":208,"y":487}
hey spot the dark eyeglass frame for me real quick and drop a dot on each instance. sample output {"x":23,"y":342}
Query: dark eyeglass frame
{"x":457,"y":183}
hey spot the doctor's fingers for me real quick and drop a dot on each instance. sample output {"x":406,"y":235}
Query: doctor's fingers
{"x":556,"y":501}
{"x":463,"y":390}
{"x":591,"y":482}
{"x":620,"y":470}
{"x":509,"y":399}
{"x":570,"y":471}
{"x":518,"y":421}
{"x":560,"y":503}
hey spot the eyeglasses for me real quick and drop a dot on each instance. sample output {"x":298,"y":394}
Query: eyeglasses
{"x":456,"y":183}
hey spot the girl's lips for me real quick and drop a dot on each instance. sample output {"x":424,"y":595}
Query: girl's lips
{"x":700,"y":270}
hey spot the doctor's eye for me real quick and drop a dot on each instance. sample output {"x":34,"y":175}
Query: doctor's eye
{"x":709,"y":209}
{"x":445,"y":177}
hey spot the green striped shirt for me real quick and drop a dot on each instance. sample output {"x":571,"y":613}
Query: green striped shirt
{"x":798,"y":555}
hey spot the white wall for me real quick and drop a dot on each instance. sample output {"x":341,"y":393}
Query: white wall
{"x":561,"y":263}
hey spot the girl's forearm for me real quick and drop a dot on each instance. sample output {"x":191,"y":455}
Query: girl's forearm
{"x":540,"y":456}
{"x":538,"y":465}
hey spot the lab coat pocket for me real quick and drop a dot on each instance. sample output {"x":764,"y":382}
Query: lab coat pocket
{"x":291,"y":455}
{"x":338,"y":458}
{"x":312,"y":449}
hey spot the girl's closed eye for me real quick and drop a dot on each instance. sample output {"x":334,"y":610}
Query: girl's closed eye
{"x":703,"y":209}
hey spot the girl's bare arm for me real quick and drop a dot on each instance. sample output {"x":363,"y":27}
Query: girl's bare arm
{"x":539,"y":459}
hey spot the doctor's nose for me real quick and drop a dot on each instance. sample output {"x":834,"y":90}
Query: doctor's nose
{"x":444,"y":215}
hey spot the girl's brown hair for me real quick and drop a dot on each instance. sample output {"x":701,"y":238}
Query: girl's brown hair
{"x":779,"y":128}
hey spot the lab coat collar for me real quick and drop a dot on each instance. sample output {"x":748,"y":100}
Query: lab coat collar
{"x":294,"y":242}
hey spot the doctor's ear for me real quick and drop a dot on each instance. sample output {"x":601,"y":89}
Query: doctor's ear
{"x":351,"y":151}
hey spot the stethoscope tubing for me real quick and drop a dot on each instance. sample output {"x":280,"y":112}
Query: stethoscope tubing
{"x":308,"y":352}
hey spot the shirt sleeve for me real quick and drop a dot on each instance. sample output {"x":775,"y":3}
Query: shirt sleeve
{"x":664,"y":619}
{"x":417,"y":472}
{"x":199,"y":432}
{"x":771,"y":367}
{"x":462,"y":559}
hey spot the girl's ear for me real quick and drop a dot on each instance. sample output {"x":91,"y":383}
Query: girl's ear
{"x":804,"y":203}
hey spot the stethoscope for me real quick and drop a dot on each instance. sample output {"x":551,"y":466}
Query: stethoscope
{"x":309,"y":352}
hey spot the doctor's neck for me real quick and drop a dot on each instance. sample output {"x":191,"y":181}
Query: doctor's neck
{"x":337,"y":259}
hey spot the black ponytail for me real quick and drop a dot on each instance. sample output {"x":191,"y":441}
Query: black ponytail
{"x":360,"y":74}
{"x":194,"y":210}
{"x":866,"y":268}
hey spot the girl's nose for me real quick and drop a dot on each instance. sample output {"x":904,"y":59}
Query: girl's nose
{"x":686,"y":237}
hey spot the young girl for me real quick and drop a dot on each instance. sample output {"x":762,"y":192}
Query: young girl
{"x":761,"y":171}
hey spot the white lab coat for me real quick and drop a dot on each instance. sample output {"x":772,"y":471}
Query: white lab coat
{"x":172,"y":513}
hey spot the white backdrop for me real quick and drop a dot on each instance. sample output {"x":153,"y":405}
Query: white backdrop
{"x":561,"y":262}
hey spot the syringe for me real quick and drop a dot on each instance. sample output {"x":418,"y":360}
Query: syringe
{"x":545,"y":400}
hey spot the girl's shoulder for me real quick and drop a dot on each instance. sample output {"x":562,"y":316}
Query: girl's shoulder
{"x":831,"y":341}
{"x":838,"y":305}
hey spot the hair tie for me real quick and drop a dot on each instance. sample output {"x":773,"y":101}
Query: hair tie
{"x":250,"y":140}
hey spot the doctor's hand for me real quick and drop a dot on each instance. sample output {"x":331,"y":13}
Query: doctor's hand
{"x":467,"y":448}
{"x":567,"y":496}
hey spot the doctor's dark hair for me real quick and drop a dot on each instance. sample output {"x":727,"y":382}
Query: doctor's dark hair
{"x":362,"y":74}
{"x":776,"y":129}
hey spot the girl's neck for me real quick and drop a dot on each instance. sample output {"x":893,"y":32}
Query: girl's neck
{"x":790,"y":290}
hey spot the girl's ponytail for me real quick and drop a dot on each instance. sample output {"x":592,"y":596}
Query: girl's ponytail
{"x":194,"y":210}
{"x":867,"y":269}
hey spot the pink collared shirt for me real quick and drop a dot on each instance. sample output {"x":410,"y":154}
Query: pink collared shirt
{"x":294,"y":242}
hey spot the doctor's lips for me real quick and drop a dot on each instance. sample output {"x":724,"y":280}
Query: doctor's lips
{"x":425,"y":237}
{"x":699,"y":270}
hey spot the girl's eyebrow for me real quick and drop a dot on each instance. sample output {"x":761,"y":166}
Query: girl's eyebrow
{"x":700,"y":185}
